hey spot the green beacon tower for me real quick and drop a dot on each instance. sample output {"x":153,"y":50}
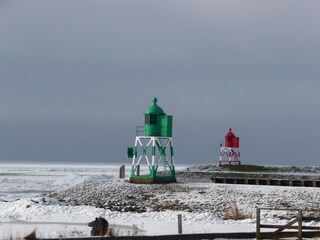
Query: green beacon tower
{"x":152,"y":154}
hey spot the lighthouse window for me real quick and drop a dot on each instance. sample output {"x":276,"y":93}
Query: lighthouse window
{"x":151,"y":119}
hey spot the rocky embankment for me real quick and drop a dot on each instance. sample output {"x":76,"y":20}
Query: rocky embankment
{"x":123,"y":196}
{"x":194,"y":192}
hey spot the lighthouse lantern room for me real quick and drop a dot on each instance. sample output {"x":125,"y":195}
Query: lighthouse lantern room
{"x":229,"y":151}
{"x":152,"y":154}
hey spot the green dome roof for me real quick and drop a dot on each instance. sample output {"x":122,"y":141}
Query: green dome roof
{"x":154,"y":109}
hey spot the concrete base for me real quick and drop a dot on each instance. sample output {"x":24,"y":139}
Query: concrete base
{"x":156,"y":180}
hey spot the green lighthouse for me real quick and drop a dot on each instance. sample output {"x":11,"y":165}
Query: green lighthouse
{"x":152,"y":155}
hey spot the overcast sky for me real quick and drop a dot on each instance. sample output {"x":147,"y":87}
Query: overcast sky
{"x":76,"y":77}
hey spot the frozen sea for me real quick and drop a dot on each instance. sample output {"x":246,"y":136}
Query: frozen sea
{"x":21,"y":191}
{"x":18,"y":181}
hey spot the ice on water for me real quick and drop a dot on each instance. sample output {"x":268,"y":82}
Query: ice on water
{"x":18,"y":181}
{"x":21,"y":185}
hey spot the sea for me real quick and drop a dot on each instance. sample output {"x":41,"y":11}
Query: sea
{"x":21,"y":180}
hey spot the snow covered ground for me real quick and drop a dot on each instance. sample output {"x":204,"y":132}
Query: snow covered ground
{"x":20,"y":186}
{"x":25,"y":204}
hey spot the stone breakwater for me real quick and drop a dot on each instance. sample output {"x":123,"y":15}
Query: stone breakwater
{"x":125,"y":197}
{"x":194,"y":192}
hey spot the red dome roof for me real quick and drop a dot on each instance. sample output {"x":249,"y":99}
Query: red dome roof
{"x":230,"y":134}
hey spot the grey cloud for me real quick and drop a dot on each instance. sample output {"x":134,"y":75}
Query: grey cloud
{"x":79,"y":68}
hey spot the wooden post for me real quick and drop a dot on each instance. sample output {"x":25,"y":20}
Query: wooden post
{"x":300,"y":224}
{"x":258,"y":223}
{"x":179,"y":223}
{"x":122,"y":172}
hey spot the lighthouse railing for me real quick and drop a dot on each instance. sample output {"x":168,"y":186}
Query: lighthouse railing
{"x":140,"y":131}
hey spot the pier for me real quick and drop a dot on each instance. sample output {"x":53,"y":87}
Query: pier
{"x":267,"y":181}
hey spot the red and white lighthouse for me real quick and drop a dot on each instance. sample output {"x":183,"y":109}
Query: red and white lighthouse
{"x":229,"y":151}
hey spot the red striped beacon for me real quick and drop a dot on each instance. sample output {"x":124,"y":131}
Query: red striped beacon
{"x":229,"y":151}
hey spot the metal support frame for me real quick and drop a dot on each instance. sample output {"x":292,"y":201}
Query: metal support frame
{"x":157,"y":154}
{"x":229,"y":155}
